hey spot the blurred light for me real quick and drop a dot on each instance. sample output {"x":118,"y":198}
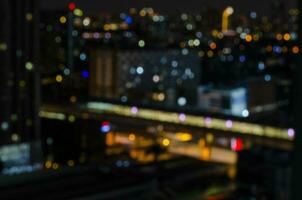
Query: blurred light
{"x":85,"y":74}
{"x":63,"y":20}
{"x":295,"y":49}
{"x":29,"y":66}
{"x":73,"y":99}
{"x":182,"y":117}
{"x":78,"y":12}
{"x":286,"y":37}
{"x":166,"y":142}
{"x":248,"y":38}
{"x":156,"y":79}
{"x":184,"y":137}
{"x":86,"y":21}
{"x":229,"y":123}
{"x":253,"y":15}
{"x":261,"y":66}
{"x":131,"y":137}
{"x":236,"y":144}
{"x":70,"y":163}
{"x":71,"y":6}
{"x":71,"y":118}
{"x":141,"y":43}
{"x":105,"y":127}
{"x":15,"y":137}
{"x":83,"y":56}
{"x":4,"y":126}
{"x":242,"y":58}
{"x":245,"y":113}
{"x":267,"y":78}
{"x":129,"y":20}
{"x":140,"y":70}
{"x":59,"y":78}
{"x":48,"y":164}
{"x":134,"y":110}
{"x":208,"y":121}
{"x":182,"y":101}
{"x":291,"y":132}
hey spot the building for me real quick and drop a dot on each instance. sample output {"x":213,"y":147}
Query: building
{"x":19,"y":75}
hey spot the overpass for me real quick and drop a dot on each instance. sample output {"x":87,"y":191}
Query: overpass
{"x":236,"y":127}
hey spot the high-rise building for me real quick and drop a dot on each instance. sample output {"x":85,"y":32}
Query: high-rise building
{"x":19,"y":74}
{"x":103,"y":77}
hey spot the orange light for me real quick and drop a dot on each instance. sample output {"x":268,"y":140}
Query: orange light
{"x":213,"y":45}
{"x":286,"y":37}
{"x":248,"y":38}
{"x":296,"y":49}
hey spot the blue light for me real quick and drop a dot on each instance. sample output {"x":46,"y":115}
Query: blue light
{"x":85,"y":74}
{"x":105,"y":128}
{"x":242,"y":58}
{"x":253,"y":15}
{"x":277,"y":49}
{"x":83,"y":56}
{"x":267,"y":78}
{"x":261,"y":66}
{"x":129,"y":20}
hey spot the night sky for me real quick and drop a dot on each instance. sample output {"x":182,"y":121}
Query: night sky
{"x":262,"y":6}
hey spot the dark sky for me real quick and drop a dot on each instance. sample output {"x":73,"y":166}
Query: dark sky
{"x":262,"y":6}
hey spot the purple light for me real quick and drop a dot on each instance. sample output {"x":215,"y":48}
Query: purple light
{"x":182,"y":117}
{"x":229,"y":123}
{"x":134,"y":110}
{"x":96,"y":35}
{"x":291,"y":132}
{"x":208,"y":121}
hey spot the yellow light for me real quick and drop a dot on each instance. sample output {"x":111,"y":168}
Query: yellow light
{"x":73,"y":99}
{"x":78,"y":12}
{"x":225,"y":18}
{"x":29,"y":66}
{"x":3,"y":46}
{"x":209,"y":138}
{"x":70,"y":163}
{"x":15,"y":137}
{"x":248,"y":38}
{"x":286,"y":37}
{"x":63,"y":20}
{"x":296,"y":49}
{"x":131,"y":137}
{"x":279,"y":36}
{"x":55,"y":166}
{"x":184,"y":137}
{"x":142,"y":13}
{"x":71,"y":118}
{"x":59,"y":78}
{"x":210,"y":54}
{"x":29,"y":16}
{"x":48,"y":164}
{"x":229,"y":10}
{"x":161,"y":96}
{"x":166,"y":142}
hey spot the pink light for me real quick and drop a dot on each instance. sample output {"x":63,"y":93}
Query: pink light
{"x":229,"y":123}
{"x":134,"y":110}
{"x":208,"y":121}
{"x":182,"y":117}
{"x":291,"y":132}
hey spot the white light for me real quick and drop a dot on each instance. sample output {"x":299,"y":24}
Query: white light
{"x":245,"y":113}
{"x":86,"y":21}
{"x":182,"y":101}
{"x":140,"y":70}
{"x":141,"y":43}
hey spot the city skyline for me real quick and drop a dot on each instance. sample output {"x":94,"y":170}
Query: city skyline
{"x":263,"y":7}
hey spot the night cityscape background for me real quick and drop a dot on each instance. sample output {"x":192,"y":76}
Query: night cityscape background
{"x":150,"y":99}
